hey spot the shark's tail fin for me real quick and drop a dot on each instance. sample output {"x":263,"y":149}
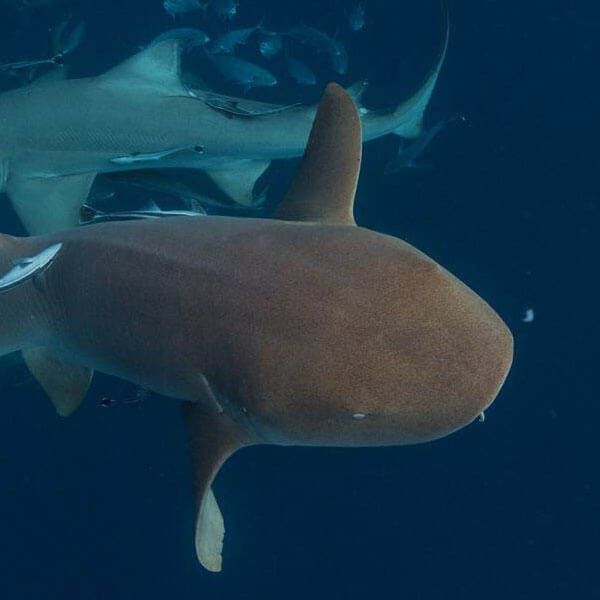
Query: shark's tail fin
{"x":410,"y":112}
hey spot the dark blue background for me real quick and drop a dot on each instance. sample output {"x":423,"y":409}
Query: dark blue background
{"x":98,"y":505}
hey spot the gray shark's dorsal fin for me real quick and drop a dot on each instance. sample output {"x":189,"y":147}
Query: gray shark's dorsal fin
{"x":156,"y":67}
{"x":213,"y":437}
{"x":324,"y":186}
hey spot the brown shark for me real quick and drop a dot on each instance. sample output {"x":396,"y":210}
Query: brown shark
{"x":303,"y":329}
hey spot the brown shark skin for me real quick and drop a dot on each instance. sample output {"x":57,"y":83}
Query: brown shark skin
{"x":297,"y":326}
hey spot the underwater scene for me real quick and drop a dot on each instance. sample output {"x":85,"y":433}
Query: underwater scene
{"x":298,"y":299}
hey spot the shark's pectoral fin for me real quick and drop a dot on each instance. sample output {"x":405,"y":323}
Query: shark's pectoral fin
{"x":155,"y":69}
{"x":65,"y":383}
{"x":238,"y":181}
{"x":213,"y":437}
{"x":324,"y":186}
{"x":49,"y":204}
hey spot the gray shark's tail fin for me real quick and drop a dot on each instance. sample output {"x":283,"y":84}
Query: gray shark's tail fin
{"x":410,"y":112}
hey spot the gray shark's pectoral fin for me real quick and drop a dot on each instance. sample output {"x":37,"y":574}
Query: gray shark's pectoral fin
{"x":238,"y":181}
{"x":154,"y":69}
{"x":49,"y":204}
{"x":213,"y":437}
{"x":65,"y":383}
{"x":324,"y":186}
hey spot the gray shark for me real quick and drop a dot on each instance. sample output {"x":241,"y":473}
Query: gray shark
{"x":304,"y":329}
{"x":58,"y":135}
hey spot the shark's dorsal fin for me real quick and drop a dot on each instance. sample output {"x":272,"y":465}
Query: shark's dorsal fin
{"x":156,"y":67}
{"x":324,"y":186}
{"x":213,"y":437}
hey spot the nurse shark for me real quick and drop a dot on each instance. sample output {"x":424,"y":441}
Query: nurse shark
{"x":303,"y":329}
{"x":58,"y":135}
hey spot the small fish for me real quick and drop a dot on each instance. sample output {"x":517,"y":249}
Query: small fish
{"x":180,"y":7}
{"x":27,"y":64}
{"x":136,"y":157}
{"x":163,"y":182}
{"x":529,"y":316}
{"x":140,"y":396}
{"x":67,"y":37}
{"x":224,"y":9}
{"x":89,"y":215}
{"x":270,"y":44}
{"x":339,"y":57}
{"x":322,"y":43}
{"x":188,"y":38}
{"x":226,"y":43}
{"x":234,"y":106}
{"x":310,"y":36}
{"x":300,"y":72}
{"x":243,"y":72}
{"x":26,"y":268}
{"x":356,"y":18}
{"x":408,"y":155}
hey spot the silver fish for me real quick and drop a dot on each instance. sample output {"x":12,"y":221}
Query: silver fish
{"x":89,"y":215}
{"x":408,"y":155}
{"x":270,"y":44}
{"x":26,"y":268}
{"x":322,"y":43}
{"x":310,"y":36}
{"x":137,"y":157}
{"x":180,"y":7}
{"x":66,"y":37}
{"x":226,"y":43}
{"x":356,"y":18}
{"x":224,"y":9}
{"x":27,"y":64}
{"x":188,"y":37}
{"x":243,"y":72}
{"x":339,"y":57}
{"x":300,"y":72}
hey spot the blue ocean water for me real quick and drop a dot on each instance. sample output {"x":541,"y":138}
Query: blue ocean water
{"x":99,"y":505}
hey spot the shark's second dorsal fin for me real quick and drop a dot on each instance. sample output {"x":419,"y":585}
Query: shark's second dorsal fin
{"x":324,"y":187}
{"x":156,"y":67}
